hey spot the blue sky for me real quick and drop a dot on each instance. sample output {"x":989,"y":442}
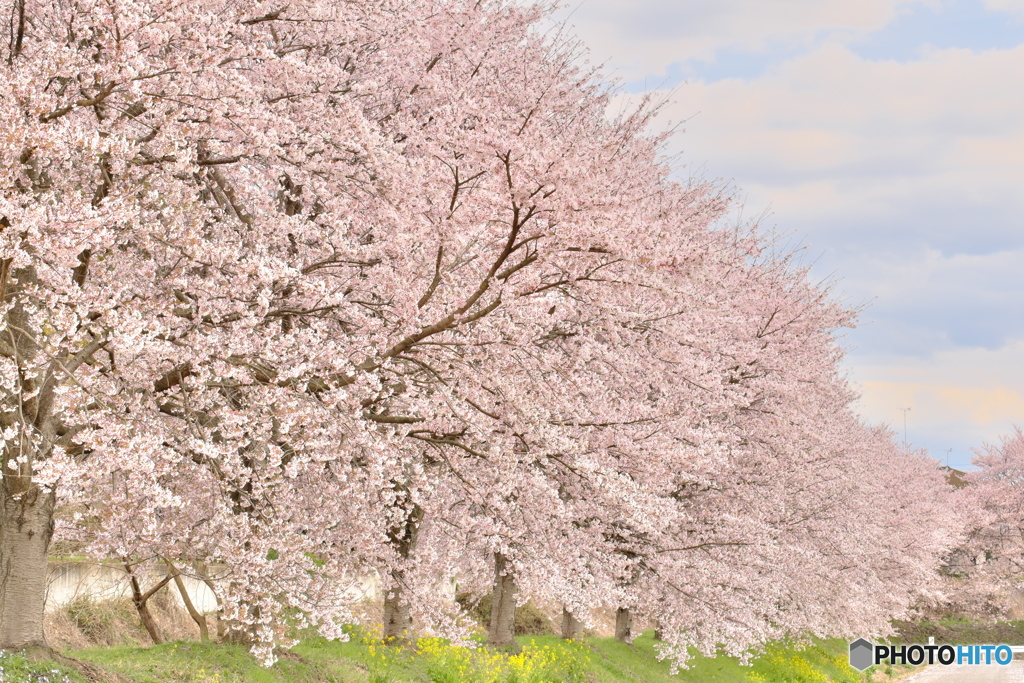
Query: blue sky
{"x":887,"y":137}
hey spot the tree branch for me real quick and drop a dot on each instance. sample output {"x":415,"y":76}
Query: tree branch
{"x":392,"y":419}
{"x":173,"y":377}
{"x":87,"y":102}
{"x":433,"y":283}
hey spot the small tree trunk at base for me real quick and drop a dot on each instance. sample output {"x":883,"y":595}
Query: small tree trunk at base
{"x":204,"y":631}
{"x":503,"y":605}
{"x":140,"y":600}
{"x":147,"y":619}
{"x":26,"y":526}
{"x":204,"y":576}
{"x":571,"y":626}
{"x":624,"y":625}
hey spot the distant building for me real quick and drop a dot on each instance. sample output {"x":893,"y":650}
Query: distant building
{"x":955,"y":478}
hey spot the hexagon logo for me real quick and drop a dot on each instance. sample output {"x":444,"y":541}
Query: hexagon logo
{"x":862,"y":654}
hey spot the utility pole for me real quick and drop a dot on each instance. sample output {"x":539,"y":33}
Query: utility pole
{"x":905,"y":411}
{"x":948,"y":450}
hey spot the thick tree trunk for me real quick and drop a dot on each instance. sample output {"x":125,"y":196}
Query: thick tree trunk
{"x":624,"y":625}
{"x":503,"y":605}
{"x":571,"y":626}
{"x":26,"y":526}
{"x":397,"y":615}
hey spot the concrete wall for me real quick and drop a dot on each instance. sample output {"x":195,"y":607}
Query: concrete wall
{"x":98,"y":582}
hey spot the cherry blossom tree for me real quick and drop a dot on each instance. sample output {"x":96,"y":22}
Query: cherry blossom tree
{"x":988,"y":564}
{"x":149,"y":232}
{"x":311,"y":291}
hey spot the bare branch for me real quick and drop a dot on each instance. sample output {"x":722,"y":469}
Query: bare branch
{"x":270,"y":16}
{"x":219,"y":161}
{"x":19,"y":34}
{"x":173,"y":377}
{"x":427,"y":437}
{"x":393,"y":419}
{"x":86,"y":102}
{"x":433,"y":283}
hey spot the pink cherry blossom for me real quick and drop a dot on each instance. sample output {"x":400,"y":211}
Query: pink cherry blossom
{"x":316,"y":291}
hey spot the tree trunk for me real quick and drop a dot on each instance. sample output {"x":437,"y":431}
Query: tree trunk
{"x":503,"y":606}
{"x":571,"y":626}
{"x":204,"y":631}
{"x":624,"y":625}
{"x":204,"y":575}
{"x":141,"y":600}
{"x":147,"y":620}
{"x":397,"y":615}
{"x":26,"y":526}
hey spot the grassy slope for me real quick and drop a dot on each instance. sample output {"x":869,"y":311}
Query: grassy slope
{"x":825,"y":660}
{"x":961,"y":632}
{"x":323,"y":662}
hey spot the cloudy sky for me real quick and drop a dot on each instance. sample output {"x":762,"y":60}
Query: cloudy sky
{"x":887,"y":138}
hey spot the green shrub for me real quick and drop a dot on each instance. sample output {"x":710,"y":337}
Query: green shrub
{"x":93,"y":620}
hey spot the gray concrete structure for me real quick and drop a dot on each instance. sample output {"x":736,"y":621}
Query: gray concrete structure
{"x":99,"y":581}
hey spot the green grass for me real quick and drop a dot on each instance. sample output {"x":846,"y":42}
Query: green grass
{"x":961,"y":632}
{"x":545,"y":659}
{"x":16,"y":668}
{"x":823,"y":661}
{"x":194,"y":662}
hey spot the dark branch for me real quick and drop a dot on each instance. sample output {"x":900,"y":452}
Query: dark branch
{"x":433,"y":283}
{"x":174,"y":377}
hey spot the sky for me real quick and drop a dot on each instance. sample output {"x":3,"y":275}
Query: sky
{"x":885,"y":138}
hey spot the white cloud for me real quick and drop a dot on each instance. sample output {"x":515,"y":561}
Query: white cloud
{"x":959,"y":399}
{"x":643,"y":37}
{"x":832,"y":140}
{"x":905,"y":176}
{"x":1010,"y":6}
{"x":956,"y":282}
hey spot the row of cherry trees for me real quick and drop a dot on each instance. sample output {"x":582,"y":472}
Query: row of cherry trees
{"x":308,"y":291}
{"x":984,"y":574}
